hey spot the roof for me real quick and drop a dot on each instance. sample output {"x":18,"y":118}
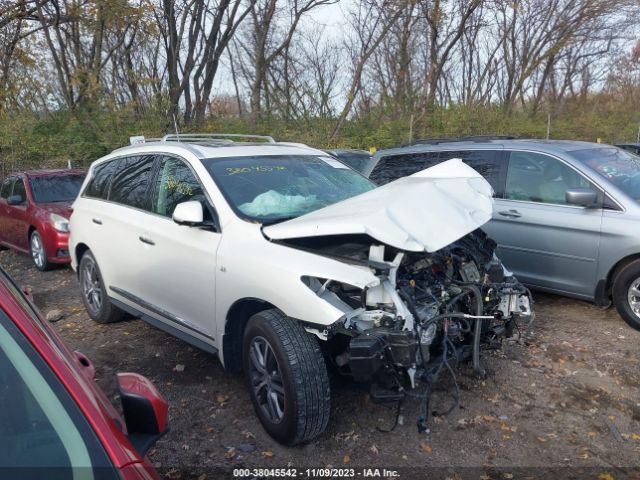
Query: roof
{"x":550,"y":146}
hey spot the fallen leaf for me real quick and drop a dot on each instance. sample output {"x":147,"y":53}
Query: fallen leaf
{"x":222,"y":399}
{"x":507,"y":476}
{"x":374,"y":449}
{"x":583,"y":455}
{"x":542,"y":439}
{"x":210,"y":430}
{"x":635,"y":436}
{"x":592,"y":434}
{"x":346,"y":459}
{"x":230,"y":453}
{"x":606,"y":476}
{"x":425,"y":447}
{"x":506,"y":428}
{"x":489,"y":418}
{"x":203,"y":477}
{"x":267,"y":454}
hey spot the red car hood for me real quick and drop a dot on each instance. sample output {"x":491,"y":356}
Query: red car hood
{"x":61,"y":208}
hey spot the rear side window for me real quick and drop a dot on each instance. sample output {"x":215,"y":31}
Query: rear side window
{"x":19,"y":190}
{"x":176,"y":183}
{"x":5,"y":190}
{"x":131,"y":182}
{"x":98,"y":186}
{"x":393,"y":167}
{"x":487,"y":163}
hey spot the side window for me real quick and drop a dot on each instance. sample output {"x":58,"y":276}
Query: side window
{"x":5,"y":190}
{"x":19,"y":189}
{"x":176,"y":184}
{"x":393,"y":167}
{"x":535,"y":177}
{"x":131,"y":181}
{"x":41,"y":426}
{"x":98,"y":186}
{"x":487,"y":163}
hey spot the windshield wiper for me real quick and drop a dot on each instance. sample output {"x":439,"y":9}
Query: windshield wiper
{"x":274,"y":221}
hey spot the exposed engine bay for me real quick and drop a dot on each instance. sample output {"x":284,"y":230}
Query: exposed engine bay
{"x":429,"y":313}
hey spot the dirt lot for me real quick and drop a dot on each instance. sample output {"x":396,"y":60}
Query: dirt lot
{"x":563,"y":402}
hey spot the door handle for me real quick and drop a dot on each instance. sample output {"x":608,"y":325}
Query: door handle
{"x":97,"y":221}
{"x":146,"y":240}
{"x":510,"y":213}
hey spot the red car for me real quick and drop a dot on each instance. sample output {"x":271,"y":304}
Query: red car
{"x":35,"y":208}
{"x":55,"y":422}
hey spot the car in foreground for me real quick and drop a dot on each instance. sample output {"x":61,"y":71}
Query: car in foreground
{"x":283,"y":260}
{"x":56,"y":423}
{"x":567,"y":213}
{"x":34,"y":213}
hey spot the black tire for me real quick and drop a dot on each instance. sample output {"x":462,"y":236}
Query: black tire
{"x":626,"y":294}
{"x":301,"y":374}
{"x":94,"y":294}
{"x":38,"y":252}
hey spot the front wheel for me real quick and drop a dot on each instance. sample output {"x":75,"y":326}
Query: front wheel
{"x":94,"y":292}
{"x":38,"y":252}
{"x":626,"y":294}
{"x":287,"y":377}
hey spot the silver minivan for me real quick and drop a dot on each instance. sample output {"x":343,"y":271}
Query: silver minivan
{"x":566,"y":214}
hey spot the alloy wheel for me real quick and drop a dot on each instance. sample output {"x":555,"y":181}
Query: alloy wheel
{"x":37,"y":250}
{"x":91,"y":288}
{"x":633,"y":296}
{"x":266,"y":379}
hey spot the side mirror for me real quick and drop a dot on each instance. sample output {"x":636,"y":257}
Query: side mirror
{"x":15,"y":200}
{"x":188,"y":213}
{"x":584,"y":197}
{"x":145,"y":411}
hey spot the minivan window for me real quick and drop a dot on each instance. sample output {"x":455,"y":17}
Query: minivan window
{"x":535,"y":177}
{"x":397,"y":166}
{"x":19,"y":190}
{"x":98,"y":186}
{"x":5,"y":191}
{"x":55,"y":188}
{"x":176,"y":184}
{"x":487,"y":163}
{"x":131,"y":182}
{"x":620,"y":167}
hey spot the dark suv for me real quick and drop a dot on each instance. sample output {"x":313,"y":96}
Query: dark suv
{"x":566,"y":213}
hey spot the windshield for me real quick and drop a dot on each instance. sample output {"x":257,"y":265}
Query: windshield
{"x":620,"y":167}
{"x":55,"y":188}
{"x":359,"y":161}
{"x":278,"y":187}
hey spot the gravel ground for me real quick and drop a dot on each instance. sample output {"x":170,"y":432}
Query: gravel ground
{"x":563,"y":402}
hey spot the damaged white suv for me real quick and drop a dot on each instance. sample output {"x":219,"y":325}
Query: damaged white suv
{"x":286,"y":263}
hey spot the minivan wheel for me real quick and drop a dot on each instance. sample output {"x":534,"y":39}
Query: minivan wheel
{"x":94,"y":293}
{"x":38,"y":252}
{"x":626,"y":294}
{"x":287,"y":377}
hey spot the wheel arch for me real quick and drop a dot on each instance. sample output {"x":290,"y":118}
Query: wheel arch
{"x":79,"y":251}
{"x":604,"y":296}
{"x":235,"y":322}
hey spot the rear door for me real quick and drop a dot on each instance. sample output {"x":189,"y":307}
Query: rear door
{"x":543,"y":240}
{"x":5,"y":192}
{"x":17,"y":219}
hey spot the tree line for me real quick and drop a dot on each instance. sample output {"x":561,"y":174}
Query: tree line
{"x":257,"y":62}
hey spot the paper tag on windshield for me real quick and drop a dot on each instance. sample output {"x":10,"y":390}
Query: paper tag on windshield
{"x":334,"y":163}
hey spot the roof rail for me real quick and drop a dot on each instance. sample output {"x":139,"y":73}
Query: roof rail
{"x":212,"y":137}
{"x":472,"y":138}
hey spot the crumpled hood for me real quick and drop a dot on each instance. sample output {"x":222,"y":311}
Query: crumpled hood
{"x":423,"y":212}
{"x":61,"y":208}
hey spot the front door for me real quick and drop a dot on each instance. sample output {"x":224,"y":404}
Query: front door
{"x":179,"y":261}
{"x":543,"y":240}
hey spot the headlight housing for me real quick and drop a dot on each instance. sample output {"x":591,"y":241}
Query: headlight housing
{"x":59,"y":223}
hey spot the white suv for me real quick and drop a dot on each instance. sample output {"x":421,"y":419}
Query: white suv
{"x":285,"y":262}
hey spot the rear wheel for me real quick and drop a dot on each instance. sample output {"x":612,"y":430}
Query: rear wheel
{"x":94,"y":293}
{"x":626,"y":294}
{"x":287,"y":377}
{"x":38,"y":252}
